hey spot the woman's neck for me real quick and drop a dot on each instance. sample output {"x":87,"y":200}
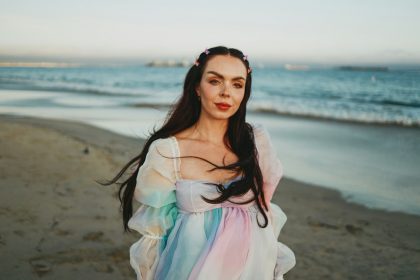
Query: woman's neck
{"x":209,"y":130}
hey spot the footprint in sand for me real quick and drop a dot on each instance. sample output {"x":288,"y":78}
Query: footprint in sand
{"x":94,"y":236}
{"x":41,"y":267}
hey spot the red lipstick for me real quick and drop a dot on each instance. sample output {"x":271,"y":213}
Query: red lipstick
{"x":223,"y":106}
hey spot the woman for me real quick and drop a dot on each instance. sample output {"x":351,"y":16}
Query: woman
{"x":205,"y":181}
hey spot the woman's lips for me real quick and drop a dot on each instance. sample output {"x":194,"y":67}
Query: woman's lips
{"x":223,"y":106}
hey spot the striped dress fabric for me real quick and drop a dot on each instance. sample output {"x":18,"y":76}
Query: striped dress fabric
{"x":184,"y":237}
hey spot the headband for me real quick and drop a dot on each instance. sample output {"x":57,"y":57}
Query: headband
{"x":206,"y":51}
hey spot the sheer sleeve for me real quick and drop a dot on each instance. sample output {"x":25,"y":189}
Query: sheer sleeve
{"x":272,"y":171}
{"x":271,"y":167}
{"x":156,"y":216}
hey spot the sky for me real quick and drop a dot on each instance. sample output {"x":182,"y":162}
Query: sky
{"x":300,"y":31}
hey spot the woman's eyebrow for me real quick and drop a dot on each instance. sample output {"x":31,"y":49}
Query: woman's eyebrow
{"x":221,"y":76}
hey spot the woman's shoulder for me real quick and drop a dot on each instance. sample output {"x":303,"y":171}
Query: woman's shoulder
{"x":162,"y":147}
{"x":162,"y":142}
{"x":259,"y":130}
{"x":161,"y":157}
{"x":262,"y":137}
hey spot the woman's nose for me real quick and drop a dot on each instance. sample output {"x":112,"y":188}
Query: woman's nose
{"x":225,"y":91}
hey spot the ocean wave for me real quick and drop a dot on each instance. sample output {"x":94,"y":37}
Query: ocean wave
{"x":400,"y":103}
{"x":365,"y":117}
{"x":82,"y":89}
{"x":361,"y":117}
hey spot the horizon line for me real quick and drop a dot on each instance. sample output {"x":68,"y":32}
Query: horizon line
{"x":75,"y":61}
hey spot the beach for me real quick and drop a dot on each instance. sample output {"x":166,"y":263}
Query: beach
{"x":58,"y":223}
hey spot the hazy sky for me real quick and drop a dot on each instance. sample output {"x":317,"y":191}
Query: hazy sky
{"x":339,"y":31}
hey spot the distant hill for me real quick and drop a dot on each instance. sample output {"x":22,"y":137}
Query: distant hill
{"x":168,"y":63}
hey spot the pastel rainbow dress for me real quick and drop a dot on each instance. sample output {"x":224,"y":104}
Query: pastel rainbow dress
{"x":184,"y":237}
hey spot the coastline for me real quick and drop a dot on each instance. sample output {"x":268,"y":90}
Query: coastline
{"x":64,"y":225}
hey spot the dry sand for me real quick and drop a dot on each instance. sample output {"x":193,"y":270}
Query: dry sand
{"x":57,"y":223}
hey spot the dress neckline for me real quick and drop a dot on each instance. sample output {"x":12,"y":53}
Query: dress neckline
{"x":178,"y":169}
{"x":209,"y":181}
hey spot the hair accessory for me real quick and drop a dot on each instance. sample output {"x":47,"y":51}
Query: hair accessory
{"x":196,"y":63}
{"x":245,"y":57}
{"x":249,"y":70}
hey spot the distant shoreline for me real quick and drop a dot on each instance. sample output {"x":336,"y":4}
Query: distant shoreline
{"x":60,"y":63}
{"x":364,"y":68}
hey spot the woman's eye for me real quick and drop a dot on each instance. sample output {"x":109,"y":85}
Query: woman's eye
{"x":215,"y":82}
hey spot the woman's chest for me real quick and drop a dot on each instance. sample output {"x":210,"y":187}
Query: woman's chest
{"x":190,"y":193}
{"x":201,"y":161}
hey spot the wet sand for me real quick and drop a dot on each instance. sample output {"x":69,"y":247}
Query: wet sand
{"x":58,"y":223}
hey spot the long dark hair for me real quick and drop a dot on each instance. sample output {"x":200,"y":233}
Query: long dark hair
{"x":239,"y":138}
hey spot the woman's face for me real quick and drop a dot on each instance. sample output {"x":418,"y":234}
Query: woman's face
{"x":222,"y":83}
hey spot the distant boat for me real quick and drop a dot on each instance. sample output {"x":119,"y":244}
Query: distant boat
{"x":363,"y":68}
{"x":296,"y":67}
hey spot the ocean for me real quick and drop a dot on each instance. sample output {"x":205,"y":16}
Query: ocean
{"x":391,"y":97}
{"x":353,"y":131}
